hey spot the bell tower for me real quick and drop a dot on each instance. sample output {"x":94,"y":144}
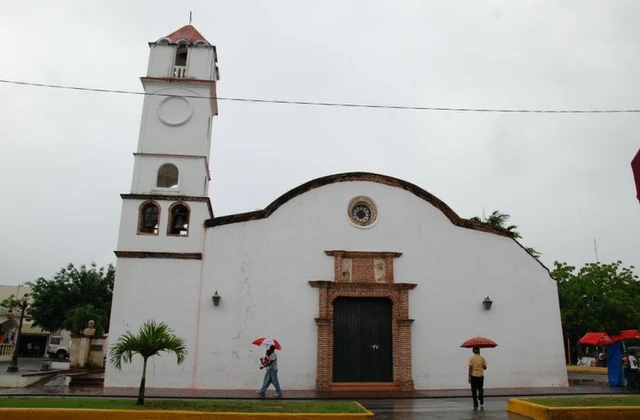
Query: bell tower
{"x":164,"y":213}
{"x":161,"y":241}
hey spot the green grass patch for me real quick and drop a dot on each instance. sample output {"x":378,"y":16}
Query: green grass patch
{"x":622,"y":401}
{"x":243,"y":406}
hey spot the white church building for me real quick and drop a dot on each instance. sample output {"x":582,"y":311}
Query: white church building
{"x":367,"y":281}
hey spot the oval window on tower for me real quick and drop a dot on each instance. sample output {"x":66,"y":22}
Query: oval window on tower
{"x":168,"y":176}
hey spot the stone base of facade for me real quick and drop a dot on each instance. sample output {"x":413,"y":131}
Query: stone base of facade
{"x":364,"y":386}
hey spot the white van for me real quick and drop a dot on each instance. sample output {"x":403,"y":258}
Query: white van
{"x":59,"y":344}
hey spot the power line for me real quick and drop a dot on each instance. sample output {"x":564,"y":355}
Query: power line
{"x":334,"y":104}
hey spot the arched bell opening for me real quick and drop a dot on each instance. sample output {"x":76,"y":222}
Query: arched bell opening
{"x":148,"y":218}
{"x":179,"y":215}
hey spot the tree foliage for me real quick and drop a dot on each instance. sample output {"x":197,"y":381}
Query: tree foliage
{"x":501,"y":220}
{"x":78,"y":318}
{"x":70,"y":288}
{"x":11,"y":303}
{"x":598,"y":297}
{"x":152,"y":339}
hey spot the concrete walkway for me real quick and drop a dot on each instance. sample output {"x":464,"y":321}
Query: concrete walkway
{"x":62,"y":390}
{"x":582,"y":384}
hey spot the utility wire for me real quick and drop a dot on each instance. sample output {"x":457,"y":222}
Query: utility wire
{"x":334,"y":104}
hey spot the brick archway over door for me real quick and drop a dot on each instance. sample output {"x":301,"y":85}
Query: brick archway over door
{"x":364,"y":275}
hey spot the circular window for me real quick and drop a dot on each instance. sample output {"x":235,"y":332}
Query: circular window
{"x":174,"y":110}
{"x":362,"y":211}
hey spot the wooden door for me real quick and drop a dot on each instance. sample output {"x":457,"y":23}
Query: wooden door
{"x":362,"y":344}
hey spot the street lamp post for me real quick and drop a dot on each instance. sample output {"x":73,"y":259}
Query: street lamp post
{"x":13,"y":366}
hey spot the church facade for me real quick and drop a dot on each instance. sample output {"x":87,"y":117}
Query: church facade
{"x":367,"y":281}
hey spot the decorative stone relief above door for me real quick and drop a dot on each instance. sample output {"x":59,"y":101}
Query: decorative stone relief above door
{"x":363,"y":266}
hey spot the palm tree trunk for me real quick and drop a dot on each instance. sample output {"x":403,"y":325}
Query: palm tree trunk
{"x":140,"y":400}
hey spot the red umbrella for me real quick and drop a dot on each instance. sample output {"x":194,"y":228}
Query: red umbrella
{"x":635,"y":167}
{"x":596,"y":339}
{"x":626,"y":334}
{"x":267,"y":342}
{"x":480,"y":342}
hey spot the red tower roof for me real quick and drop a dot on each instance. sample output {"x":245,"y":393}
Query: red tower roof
{"x":188,"y":33}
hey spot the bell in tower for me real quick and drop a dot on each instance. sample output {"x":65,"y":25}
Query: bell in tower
{"x":179,"y":220}
{"x":183,"y":54}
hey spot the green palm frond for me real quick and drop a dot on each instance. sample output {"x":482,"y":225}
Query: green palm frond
{"x":499,"y":219}
{"x":152,"y":338}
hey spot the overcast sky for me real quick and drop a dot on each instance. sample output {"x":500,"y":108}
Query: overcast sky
{"x":565,"y":179}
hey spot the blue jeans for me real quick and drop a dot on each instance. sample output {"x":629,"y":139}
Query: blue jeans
{"x":270,"y":377}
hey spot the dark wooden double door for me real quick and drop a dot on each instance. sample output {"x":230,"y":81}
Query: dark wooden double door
{"x":362,"y":340}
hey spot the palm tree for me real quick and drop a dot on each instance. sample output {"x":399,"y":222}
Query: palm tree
{"x":152,"y":338}
{"x":496,"y":218}
{"x":500,"y":220}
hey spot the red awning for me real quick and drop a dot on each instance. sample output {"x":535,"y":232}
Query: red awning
{"x":626,"y":334}
{"x":635,"y":167}
{"x":596,"y":339}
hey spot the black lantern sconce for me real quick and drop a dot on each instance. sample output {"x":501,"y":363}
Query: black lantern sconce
{"x":487,"y":303}
{"x":216,"y":299}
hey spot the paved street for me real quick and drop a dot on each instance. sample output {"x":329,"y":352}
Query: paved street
{"x":439,"y":408}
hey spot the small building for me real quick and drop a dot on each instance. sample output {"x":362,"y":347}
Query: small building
{"x":33,"y":339}
{"x":368,"y":281}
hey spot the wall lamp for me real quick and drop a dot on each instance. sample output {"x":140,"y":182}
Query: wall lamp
{"x":487,"y":303}
{"x":216,"y":299}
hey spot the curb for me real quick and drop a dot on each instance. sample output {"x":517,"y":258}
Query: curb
{"x":542,"y":412}
{"x":587,"y":369}
{"x":83,"y":414}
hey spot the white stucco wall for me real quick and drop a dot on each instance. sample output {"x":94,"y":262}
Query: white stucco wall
{"x":524,"y":319}
{"x":179,"y":124}
{"x":162,"y":290}
{"x":161,"y":60}
{"x":129,"y":240}
{"x":200,"y":63}
{"x":261,"y":269}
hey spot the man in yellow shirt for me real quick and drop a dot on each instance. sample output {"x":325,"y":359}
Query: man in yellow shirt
{"x":477,"y":366}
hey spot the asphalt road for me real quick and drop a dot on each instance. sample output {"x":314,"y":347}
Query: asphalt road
{"x":450,"y":406}
{"x":440,"y":408}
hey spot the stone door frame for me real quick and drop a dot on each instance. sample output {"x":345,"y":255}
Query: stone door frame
{"x":355,"y":278}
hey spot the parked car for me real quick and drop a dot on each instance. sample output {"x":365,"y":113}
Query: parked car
{"x":56,"y":347}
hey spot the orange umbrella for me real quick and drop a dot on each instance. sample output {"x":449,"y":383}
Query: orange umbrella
{"x":480,"y":342}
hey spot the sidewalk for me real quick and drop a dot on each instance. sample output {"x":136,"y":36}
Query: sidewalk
{"x":581,"y":384}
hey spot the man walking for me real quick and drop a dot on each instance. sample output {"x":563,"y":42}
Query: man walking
{"x":477,"y":366}
{"x":270,"y":362}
